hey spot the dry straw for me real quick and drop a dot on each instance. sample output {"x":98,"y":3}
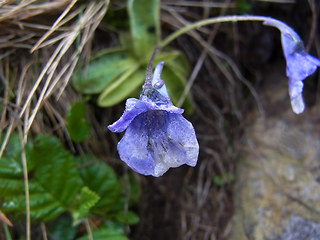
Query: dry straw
{"x":58,"y":43}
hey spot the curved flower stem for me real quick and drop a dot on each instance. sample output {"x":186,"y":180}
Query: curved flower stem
{"x":234,"y":18}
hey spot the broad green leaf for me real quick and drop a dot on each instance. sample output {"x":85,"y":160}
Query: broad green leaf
{"x":181,"y":65}
{"x":125,"y":40}
{"x":63,"y":229}
{"x":167,"y":56}
{"x":122,"y":88}
{"x":144,"y":18}
{"x":100,"y":71}
{"x":13,"y":148}
{"x":56,"y":169}
{"x":43,"y":206}
{"x":127,"y":217}
{"x":53,"y":185}
{"x":101,"y":179}
{"x":77,"y":125}
{"x":11,"y":169}
{"x":106,"y":234}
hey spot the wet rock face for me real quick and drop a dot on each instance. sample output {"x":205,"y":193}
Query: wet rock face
{"x":277,"y":192}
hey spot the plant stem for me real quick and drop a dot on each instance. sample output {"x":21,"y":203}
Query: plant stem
{"x":234,"y":18}
{"x":89,"y":231}
{"x":26,"y":183}
{"x":44,"y":231}
{"x":148,"y":81}
{"x":7,"y":232}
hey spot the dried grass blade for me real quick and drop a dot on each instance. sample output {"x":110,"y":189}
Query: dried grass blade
{"x":54,"y":26}
{"x":12,"y":13}
{"x":3,"y":218}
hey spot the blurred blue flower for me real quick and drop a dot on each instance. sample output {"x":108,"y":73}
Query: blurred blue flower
{"x":299,"y":64}
{"x":157,"y":136}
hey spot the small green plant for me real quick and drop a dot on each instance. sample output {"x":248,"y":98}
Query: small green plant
{"x":118,"y":73}
{"x":243,"y":6}
{"x":220,"y":180}
{"x":79,"y":188}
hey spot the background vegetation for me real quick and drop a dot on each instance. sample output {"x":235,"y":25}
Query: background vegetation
{"x":66,"y":68}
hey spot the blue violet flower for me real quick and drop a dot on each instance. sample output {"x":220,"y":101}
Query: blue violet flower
{"x":157,"y":136}
{"x":299,"y":64}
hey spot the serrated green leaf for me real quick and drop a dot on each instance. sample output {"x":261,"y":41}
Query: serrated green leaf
{"x":94,"y":77}
{"x":101,"y":179}
{"x":52,"y":186}
{"x":10,"y":186}
{"x":13,"y":148}
{"x":43,"y":206}
{"x":122,"y":88}
{"x":77,"y":124}
{"x":127,"y":217}
{"x":56,"y":169}
{"x":144,"y":18}
{"x":11,"y":169}
{"x":63,"y":229}
{"x":88,"y":199}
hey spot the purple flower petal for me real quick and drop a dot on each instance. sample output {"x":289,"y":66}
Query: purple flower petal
{"x":299,"y":64}
{"x":157,"y":136}
{"x":157,"y":82}
{"x":156,"y":141}
{"x":134,"y":107}
{"x":156,"y":98}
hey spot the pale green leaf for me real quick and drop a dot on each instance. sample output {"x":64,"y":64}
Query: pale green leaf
{"x":175,"y":75}
{"x":94,"y":77}
{"x":122,"y":88}
{"x":144,"y":18}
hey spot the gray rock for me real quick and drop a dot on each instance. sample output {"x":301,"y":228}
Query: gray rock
{"x":277,"y":190}
{"x":300,"y":228}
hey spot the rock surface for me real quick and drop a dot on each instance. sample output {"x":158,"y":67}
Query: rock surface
{"x":277,"y":191}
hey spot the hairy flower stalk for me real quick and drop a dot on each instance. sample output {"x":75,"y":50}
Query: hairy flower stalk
{"x":157,"y":136}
